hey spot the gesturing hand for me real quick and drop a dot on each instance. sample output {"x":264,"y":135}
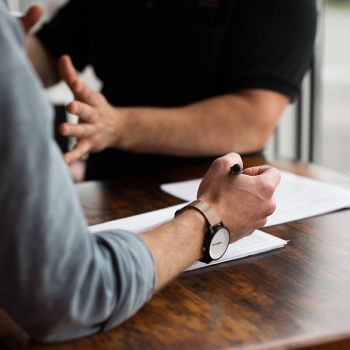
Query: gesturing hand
{"x":32,"y":17}
{"x":98,"y":120}
{"x":243,"y":201}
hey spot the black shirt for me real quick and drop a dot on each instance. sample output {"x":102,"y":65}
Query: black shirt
{"x":170,"y":53}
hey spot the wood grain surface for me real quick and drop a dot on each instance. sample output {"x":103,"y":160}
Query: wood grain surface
{"x":297,"y":297}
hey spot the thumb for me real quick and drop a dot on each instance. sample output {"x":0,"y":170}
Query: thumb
{"x":68,"y":72}
{"x":32,"y":17}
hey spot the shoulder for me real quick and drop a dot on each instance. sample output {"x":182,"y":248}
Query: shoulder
{"x":276,"y":10}
{"x":298,"y":11}
{"x":278,"y":18}
{"x":302,"y":7}
{"x":299,"y":18}
{"x":292,"y":11}
{"x":10,"y":29}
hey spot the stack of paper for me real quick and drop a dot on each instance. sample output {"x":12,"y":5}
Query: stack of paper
{"x":256,"y":243}
{"x":297,"y":197}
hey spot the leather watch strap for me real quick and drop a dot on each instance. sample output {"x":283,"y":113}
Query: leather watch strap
{"x":205,"y":209}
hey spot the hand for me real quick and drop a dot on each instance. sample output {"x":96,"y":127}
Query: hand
{"x":98,"y":120}
{"x":243,"y":201}
{"x":32,"y":17}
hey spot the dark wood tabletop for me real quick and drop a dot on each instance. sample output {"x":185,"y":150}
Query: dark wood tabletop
{"x":296,"y":297}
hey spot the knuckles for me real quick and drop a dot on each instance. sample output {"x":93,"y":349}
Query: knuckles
{"x":267,"y":189}
{"x":219,"y":165}
{"x":262,"y":223}
{"x":271,"y":207}
{"x":223,"y":164}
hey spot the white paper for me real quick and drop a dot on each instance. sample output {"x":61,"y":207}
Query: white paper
{"x":256,"y":243}
{"x":297,"y":197}
{"x":139,"y":223}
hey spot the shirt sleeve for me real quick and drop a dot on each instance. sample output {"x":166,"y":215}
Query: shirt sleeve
{"x":269,"y":45}
{"x":57,"y":281}
{"x":69,"y":33}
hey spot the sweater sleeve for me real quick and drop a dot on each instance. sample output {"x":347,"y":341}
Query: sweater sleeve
{"x":57,"y":281}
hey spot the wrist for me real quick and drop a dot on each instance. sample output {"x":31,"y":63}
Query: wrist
{"x":120,"y":116}
{"x":193,"y":223}
{"x":217,"y":235}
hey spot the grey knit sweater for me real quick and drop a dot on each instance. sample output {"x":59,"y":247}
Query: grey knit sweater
{"x":56,"y":280}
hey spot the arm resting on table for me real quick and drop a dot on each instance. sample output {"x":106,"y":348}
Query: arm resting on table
{"x":57,"y":281}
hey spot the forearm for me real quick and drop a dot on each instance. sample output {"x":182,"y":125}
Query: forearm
{"x":176,"y":245}
{"x":240,"y":122}
{"x":44,"y":63}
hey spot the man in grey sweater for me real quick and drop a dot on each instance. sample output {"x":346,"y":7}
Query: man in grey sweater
{"x":56,"y":280}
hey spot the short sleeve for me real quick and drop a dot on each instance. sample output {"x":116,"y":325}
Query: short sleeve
{"x":269,"y":45}
{"x":68,"y":33}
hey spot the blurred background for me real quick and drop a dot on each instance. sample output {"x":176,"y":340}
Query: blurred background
{"x":329,"y":132}
{"x":326,"y":92}
{"x":336,"y":86}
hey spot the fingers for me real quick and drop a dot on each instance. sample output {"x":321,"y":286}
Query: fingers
{"x":218,"y":176}
{"x":268,"y":179}
{"x":270,"y":174}
{"x":254,"y":171}
{"x":82,"y":130}
{"x":67,"y":70}
{"x":266,"y":173}
{"x":80,"y":149}
{"x":82,"y":92}
{"x":83,"y":111}
{"x":32,"y":17}
{"x":270,"y":208}
{"x":223,"y":164}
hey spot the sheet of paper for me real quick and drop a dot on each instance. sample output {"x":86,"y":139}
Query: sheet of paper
{"x":139,"y":223}
{"x":256,"y":243}
{"x":297,"y":197}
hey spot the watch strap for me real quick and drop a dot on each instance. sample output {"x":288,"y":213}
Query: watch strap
{"x":205,"y":209}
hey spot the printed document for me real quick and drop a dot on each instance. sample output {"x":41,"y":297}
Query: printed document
{"x":256,"y":243}
{"x":297,"y":197}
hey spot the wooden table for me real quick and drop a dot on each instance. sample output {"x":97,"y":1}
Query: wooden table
{"x":297,"y":297}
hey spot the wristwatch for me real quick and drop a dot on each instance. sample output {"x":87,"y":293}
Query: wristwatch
{"x":217,"y":235}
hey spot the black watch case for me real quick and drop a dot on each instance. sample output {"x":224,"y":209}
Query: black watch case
{"x":216,"y":242}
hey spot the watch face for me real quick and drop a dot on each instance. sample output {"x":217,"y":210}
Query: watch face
{"x":219,"y":243}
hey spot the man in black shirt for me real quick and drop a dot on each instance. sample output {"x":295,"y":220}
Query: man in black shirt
{"x":184,"y":79}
